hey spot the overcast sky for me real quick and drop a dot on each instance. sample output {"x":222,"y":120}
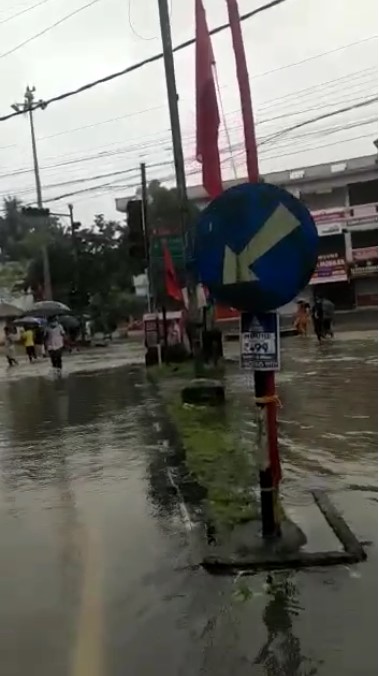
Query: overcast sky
{"x":335,"y":41}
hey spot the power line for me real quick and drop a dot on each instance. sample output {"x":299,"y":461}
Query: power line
{"x":98,"y":124}
{"x":324,"y":145}
{"x":317,"y":56}
{"x":100,"y":188}
{"x":160,"y":165}
{"x":126,"y":151}
{"x":270,"y":103}
{"x":313,"y":89}
{"x":42,"y":32}
{"x":145,"y":62}
{"x":138,"y":146}
{"x":24,"y":11}
{"x":157,"y":57}
{"x":324,"y":116}
{"x":274,"y":102}
{"x":356,"y":99}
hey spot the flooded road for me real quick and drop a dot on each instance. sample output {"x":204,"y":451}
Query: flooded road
{"x":94,"y":568}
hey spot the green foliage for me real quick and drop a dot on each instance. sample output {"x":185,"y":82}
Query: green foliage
{"x":165,"y":216}
{"x":92,"y":272}
{"x":214,"y":456}
{"x":107,"y":311}
{"x":185,"y":370}
{"x":12,"y":275}
{"x":94,"y":265}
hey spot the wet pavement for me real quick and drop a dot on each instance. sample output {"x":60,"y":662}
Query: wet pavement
{"x":95,"y":574}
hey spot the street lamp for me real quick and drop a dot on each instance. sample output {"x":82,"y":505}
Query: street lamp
{"x":27,"y":106}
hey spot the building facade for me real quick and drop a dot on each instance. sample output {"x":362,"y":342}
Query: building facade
{"x":343,"y":198}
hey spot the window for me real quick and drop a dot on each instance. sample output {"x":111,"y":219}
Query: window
{"x":363,"y":193}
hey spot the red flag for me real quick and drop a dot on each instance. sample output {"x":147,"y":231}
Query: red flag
{"x":244,"y":87}
{"x":207,"y":117}
{"x":171,"y":282}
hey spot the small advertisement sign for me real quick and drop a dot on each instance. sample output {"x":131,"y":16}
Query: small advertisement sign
{"x":260,"y":341}
{"x":366,"y":253}
{"x":151,"y":327}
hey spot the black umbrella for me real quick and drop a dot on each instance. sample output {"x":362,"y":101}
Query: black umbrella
{"x":48,"y":308}
{"x":29,"y":321}
{"x":69,"y":322}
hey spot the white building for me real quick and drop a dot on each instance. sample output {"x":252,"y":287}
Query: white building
{"x":343,"y":198}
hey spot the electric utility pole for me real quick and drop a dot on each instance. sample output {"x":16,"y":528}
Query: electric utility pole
{"x":146,"y":234}
{"x":172,"y":95}
{"x":28,"y":106}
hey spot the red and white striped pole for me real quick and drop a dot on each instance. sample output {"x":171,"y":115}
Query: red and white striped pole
{"x":264,"y":381}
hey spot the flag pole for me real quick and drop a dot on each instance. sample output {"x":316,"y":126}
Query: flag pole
{"x":264,"y":381}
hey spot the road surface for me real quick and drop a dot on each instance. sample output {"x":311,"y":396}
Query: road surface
{"x":95,"y":574}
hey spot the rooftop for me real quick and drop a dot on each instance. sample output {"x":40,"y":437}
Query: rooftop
{"x":331,"y":170}
{"x":330,"y":174}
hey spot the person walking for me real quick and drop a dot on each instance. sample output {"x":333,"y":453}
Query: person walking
{"x":9,"y":347}
{"x":301,"y":321}
{"x":55,"y":343}
{"x":27,"y":338}
{"x":318,"y":318}
{"x":39,"y":340}
{"x":328,"y":316}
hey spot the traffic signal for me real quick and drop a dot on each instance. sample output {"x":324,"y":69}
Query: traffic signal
{"x":134,"y":216}
{"x":136,"y":235}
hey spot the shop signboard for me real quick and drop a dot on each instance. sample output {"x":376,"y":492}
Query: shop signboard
{"x":331,"y":267}
{"x":365,"y":261}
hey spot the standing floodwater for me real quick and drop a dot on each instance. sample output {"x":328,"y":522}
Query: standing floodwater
{"x":94,"y":575}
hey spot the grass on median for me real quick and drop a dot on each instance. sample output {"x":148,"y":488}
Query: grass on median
{"x":215,"y":458}
{"x":184,"y":370}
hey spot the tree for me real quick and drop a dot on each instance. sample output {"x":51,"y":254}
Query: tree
{"x":95,"y":271}
{"x":107,"y":312}
{"x":165,"y":223}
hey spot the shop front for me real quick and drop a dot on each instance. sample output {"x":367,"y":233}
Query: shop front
{"x":364,"y":275}
{"x":331,"y":279}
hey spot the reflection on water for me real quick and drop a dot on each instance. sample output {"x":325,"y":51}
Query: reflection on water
{"x":328,"y":423}
{"x":281,"y":654}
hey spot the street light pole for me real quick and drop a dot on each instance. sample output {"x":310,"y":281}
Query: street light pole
{"x":27,"y":107}
{"x":35,"y":159}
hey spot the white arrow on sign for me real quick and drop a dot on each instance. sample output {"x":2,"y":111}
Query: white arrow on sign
{"x":237,"y":267}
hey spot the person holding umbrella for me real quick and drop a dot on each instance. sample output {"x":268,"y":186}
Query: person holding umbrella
{"x":9,"y":347}
{"x":55,"y":343}
{"x":27,"y":338}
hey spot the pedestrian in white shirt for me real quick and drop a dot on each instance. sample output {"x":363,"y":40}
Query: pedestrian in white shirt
{"x":55,"y":343}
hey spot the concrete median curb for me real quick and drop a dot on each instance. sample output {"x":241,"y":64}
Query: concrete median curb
{"x":269,"y":556}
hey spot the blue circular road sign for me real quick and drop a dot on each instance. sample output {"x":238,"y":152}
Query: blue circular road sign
{"x":256,"y":247}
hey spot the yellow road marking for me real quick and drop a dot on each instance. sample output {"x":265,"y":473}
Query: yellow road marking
{"x":88,"y":655}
